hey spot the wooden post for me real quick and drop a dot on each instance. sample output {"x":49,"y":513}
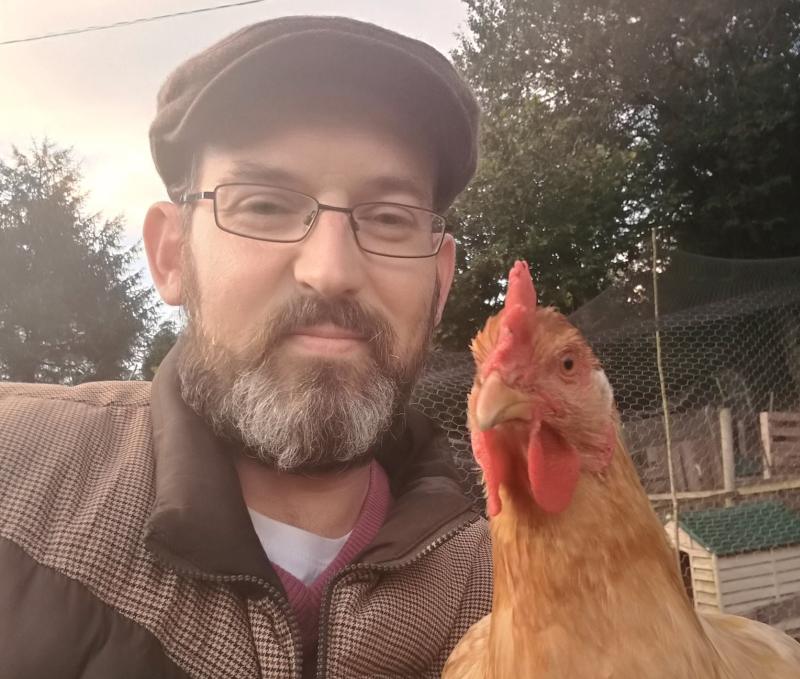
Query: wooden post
{"x":766,"y":443}
{"x":728,"y":463}
{"x":741,"y":439}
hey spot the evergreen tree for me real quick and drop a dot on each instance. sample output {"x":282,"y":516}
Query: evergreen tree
{"x":159,"y":346}
{"x":71,"y":310}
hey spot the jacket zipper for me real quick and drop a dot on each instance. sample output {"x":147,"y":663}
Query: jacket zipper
{"x":368,"y":567}
{"x":276,"y":595}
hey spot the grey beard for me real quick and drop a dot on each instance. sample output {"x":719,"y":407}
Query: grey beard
{"x":316,"y":420}
{"x":301,"y":416}
{"x":320,"y":422}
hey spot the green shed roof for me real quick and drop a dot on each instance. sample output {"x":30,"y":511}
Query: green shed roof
{"x":743,"y":528}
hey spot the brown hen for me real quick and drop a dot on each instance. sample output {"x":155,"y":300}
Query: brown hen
{"x":585,"y":582}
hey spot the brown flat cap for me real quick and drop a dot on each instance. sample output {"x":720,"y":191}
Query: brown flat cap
{"x":210,"y":94}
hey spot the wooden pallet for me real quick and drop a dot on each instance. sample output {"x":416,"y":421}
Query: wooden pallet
{"x":780,"y":439}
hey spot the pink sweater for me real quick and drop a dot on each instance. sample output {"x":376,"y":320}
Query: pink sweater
{"x":307,"y":599}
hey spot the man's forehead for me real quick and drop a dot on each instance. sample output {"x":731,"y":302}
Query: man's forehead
{"x":302,"y":155}
{"x":244,"y":170}
{"x":296,"y":56}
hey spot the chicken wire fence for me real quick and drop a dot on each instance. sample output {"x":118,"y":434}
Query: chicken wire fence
{"x":730,"y":345}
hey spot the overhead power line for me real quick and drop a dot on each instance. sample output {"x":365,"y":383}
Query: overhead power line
{"x":129,"y":22}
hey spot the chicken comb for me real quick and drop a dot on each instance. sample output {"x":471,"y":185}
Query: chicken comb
{"x":520,"y":287}
{"x":520,"y":302}
{"x":515,"y":318}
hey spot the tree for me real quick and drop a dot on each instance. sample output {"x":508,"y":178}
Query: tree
{"x":605,"y":119}
{"x":726,"y":102}
{"x":71,"y":310}
{"x":159,"y":346}
{"x":552,"y":198}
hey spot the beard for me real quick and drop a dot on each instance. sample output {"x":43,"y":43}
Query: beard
{"x":295,"y":414}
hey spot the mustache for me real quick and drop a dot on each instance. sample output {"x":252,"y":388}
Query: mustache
{"x":345,"y":313}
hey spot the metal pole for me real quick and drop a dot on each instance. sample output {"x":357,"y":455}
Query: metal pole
{"x":665,"y":406}
{"x":726,"y":443}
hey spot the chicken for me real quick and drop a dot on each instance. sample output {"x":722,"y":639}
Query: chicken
{"x":585,"y":582}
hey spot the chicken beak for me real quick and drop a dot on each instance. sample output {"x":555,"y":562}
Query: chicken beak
{"x":498,"y":403}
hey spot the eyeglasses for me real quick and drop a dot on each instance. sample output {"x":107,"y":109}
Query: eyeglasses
{"x":271,"y":213}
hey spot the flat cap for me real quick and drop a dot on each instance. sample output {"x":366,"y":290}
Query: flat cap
{"x":207,"y":96}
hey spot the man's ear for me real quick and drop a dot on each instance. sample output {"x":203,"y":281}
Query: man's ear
{"x":163,"y":235}
{"x":445,"y":267}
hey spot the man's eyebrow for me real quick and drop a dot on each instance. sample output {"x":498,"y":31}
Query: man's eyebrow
{"x":396,"y":184}
{"x":251,"y":171}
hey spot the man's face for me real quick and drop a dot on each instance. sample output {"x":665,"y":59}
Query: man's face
{"x":306,"y":351}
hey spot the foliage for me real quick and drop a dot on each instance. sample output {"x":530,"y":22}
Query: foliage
{"x":70,"y":309}
{"x":605,"y":119}
{"x":727,"y":106}
{"x":158,"y":347}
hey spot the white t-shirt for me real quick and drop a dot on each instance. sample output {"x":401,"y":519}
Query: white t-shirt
{"x":303,"y":554}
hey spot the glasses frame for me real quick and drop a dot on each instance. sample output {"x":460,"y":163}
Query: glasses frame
{"x":212,"y":195}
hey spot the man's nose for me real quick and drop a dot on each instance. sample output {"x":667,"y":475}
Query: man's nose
{"x":329,"y":261}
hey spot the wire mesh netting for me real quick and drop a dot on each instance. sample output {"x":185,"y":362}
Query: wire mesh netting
{"x":730,"y":342}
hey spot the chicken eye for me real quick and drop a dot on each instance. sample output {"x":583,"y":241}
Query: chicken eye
{"x":568,"y":363}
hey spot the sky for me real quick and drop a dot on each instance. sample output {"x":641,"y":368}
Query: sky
{"x":96,"y":92}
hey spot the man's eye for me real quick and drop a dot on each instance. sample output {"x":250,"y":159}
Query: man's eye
{"x":388,"y":217}
{"x":393,"y":218}
{"x":262,"y":208}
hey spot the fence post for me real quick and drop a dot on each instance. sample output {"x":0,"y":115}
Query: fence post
{"x":726,"y":443}
{"x":766,"y":441}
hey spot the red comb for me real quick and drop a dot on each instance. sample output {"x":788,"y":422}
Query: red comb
{"x":515,"y":323}
{"x":520,"y":287}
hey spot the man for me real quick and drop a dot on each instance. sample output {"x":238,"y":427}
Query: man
{"x":271,"y":508}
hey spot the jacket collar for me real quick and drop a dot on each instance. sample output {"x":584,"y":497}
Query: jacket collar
{"x":199,"y":522}
{"x":429,"y":500}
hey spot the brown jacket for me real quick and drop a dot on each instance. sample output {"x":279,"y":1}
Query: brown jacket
{"x":126,"y":551}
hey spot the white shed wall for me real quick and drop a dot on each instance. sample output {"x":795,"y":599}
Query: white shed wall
{"x":704,"y":573}
{"x":704,"y":582}
{"x":747,"y":581}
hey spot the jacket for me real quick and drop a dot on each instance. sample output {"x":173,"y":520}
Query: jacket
{"x":126,"y":550}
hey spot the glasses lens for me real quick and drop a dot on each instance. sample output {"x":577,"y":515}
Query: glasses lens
{"x":398,"y":230}
{"x":263,"y":212}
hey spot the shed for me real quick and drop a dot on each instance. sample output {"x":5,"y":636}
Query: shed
{"x":741,"y":558}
